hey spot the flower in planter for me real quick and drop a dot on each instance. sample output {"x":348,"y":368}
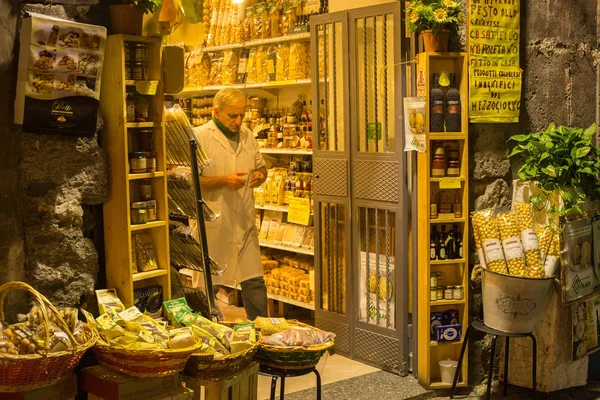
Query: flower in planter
{"x":433,"y":14}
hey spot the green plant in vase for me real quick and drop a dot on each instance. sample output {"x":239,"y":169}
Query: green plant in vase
{"x":562,"y":160}
{"x":433,"y":19}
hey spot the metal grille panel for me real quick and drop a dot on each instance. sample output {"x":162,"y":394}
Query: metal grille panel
{"x":331,"y":177}
{"x":377,"y":349}
{"x":377,"y":180}
{"x":342,"y":334}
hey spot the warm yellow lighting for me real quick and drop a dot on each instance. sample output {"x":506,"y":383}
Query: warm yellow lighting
{"x":237,"y":1}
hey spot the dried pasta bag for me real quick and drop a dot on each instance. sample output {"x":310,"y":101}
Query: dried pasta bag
{"x":248,"y":24}
{"x":257,"y":28}
{"x":209,"y":339}
{"x":144,"y":252}
{"x":274,"y":17}
{"x":229,"y":67}
{"x":221,"y":332}
{"x":269,"y":326}
{"x":271,"y":64}
{"x":511,"y":243}
{"x":282,"y":63}
{"x":203,"y":70}
{"x":252,"y":76}
{"x":109,"y":302}
{"x":531,"y":246}
{"x":485,"y":222}
{"x":216,"y":65}
{"x":288,"y":18}
{"x":261,"y":64}
{"x":549,"y":249}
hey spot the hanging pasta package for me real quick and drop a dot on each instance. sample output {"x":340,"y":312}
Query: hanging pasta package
{"x":212,"y":30}
{"x":216,"y":65}
{"x":271,"y":64}
{"x":248,"y":24}
{"x":261,"y":64}
{"x":511,"y":243}
{"x":257,"y":28}
{"x":485,"y":223}
{"x":531,"y":246}
{"x":282,"y":64}
{"x":549,"y":249}
{"x":299,"y":61}
{"x":251,"y":72}
{"x":229,"y":68}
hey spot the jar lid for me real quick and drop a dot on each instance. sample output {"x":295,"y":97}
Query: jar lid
{"x":150,"y":203}
{"x":138,"y":204}
{"x":450,"y":287}
{"x":137,"y":154}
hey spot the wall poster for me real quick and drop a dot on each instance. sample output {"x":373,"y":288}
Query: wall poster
{"x":494,"y":72}
{"x":585,"y":316}
{"x":58,"y":84}
{"x":577,"y":275}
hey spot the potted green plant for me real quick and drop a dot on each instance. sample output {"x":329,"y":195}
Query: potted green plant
{"x":127,"y":16}
{"x":433,"y":19}
{"x":562,"y":160}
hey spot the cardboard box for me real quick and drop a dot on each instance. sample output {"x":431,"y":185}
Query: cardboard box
{"x":110,"y":385}
{"x":180,"y":394}
{"x":66,"y":389}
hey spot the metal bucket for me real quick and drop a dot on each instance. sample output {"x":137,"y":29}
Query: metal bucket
{"x":513,"y":304}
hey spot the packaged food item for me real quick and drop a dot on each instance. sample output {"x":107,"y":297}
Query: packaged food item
{"x":243,"y":66}
{"x":181,"y":338}
{"x":309,"y":238}
{"x":109,"y":302}
{"x":270,"y":326}
{"x":299,"y":61}
{"x":221,"y":332}
{"x":209,"y":339}
{"x":535,"y":269}
{"x":216,"y":64}
{"x":264,"y":228}
{"x":282,"y":64}
{"x":274,"y":22}
{"x":252,"y":73}
{"x":149,"y":300}
{"x":288,"y":19}
{"x":299,"y":231}
{"x":248,"y":24}
{"x":145,"y":254}
{"x":549,"y":249}
{"x":261,"y":64}
{"x":172,"y":307}
{"x":299,"y":336}
{"x":257,"y":28}
{"x":485,"y":223}
{"x":229,"y":69}
{"x":511,"y":243}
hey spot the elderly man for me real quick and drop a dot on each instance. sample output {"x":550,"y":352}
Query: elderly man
{"x":227,"y":185}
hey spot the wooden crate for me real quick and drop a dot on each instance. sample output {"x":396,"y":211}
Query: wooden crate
{"x":66,"y":389}
{"x":240,"y":386}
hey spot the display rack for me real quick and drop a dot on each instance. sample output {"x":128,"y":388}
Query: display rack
{"x":455,"y":271}
{"x":117,"y":140}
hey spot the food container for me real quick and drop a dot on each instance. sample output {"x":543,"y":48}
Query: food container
{"x":447,"y":370}
{"x":139,"y":52}
{"x":448,"y":291}
{"x":145,"y":139}
{"x":151,"y":210}
{"x":139,"y":71}
{"x":127,"y":51}
{"x":138,"y":213}
{"x":137,"y":162}
{"x":440,"y":280}
{"x":432,"y":294}
{"x":458,"y":293}
{"x":151,"y":161}
{"x":146,"y":189}
{"x":440,"y":292}
{"x":453,"y":168}
{"x":433,"y":280}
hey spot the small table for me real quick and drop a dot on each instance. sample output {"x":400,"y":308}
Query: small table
{"x":276,"y":373}
{"x":480,"y":326}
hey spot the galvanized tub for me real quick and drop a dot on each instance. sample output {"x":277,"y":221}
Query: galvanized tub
{"x":513,"y":304}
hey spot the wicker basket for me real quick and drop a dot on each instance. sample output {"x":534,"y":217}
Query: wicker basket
{"x":206,"y":366}
{"x":298,"y":357}
{"x":19,"y":373}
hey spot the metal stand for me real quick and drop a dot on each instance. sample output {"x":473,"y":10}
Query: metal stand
{"x":480,"y":326}
{"x":202,"y":229}
{"x":276,"y":373}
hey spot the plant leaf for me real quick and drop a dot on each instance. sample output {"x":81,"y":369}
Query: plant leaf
{"x":580,"y":152}
{"x":550,"y":170}
{"x":519,"y":138}
{"x":516,"y":150}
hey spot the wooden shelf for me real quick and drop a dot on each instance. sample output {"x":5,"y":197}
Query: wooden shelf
{"x":447,"y":136}
{"x":140,"y":276}
{"x":253,"y":43}
{"x":308,"y":306}
{"x":148,"y":225}
{"x":448,"y":177}
{"x":445,"y":344}
{"x":447,"y":303}
{"x":147,"y":175}
{"x":441,"y":385}
{"x":134,"y":125}
{"x":272,"y":208}
{"x":447,"y":262}
{"x":293,"y":152}
{"x":194,"y":91}
{"x":131,"y":82}
{"x":448,"y":220}
{"x":299,"y":250}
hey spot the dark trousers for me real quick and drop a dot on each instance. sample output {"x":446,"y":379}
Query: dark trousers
{"x":254,"y":296}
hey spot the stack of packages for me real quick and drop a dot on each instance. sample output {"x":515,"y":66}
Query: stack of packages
{"x":289,"y":276}
{"x":507,"y":242}
{"x":274,"y":230}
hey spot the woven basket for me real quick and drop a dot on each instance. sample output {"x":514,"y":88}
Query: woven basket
{"x":143,"y":363}
{"x":206,"y":366}
{"x":296,"y":357}
{"x":19,"y":373}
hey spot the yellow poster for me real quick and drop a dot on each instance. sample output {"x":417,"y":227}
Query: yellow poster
{"x":494,"y":72}
{"x":299,"y":211}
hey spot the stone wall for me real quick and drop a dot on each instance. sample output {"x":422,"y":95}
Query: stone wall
{"x":47,"y":182}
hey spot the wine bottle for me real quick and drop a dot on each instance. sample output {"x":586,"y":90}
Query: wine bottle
{"x":453,"y":107}
{"x":436,"y":103}
{"x":442,"y":244}
{"x":433,"y":244}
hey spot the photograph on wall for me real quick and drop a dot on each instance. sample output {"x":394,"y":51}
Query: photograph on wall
{"x":58,"y":84}
{"x":578,"y":278}
{"x":585,"y":317}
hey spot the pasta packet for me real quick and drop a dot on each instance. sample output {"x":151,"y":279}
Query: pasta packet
{"x":529,"y":238}
{"x":511,"y":243}
{"x":484,"y":222}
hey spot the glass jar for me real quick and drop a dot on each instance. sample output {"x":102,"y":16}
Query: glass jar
{"x":139,"y":52}
{"x":138,"y":213}
{"x":438,"y":167}
{"x":137,"y":162}
{"x":458,"y":293}
{"x":448,"y":292}
{"x":433,"y":294}
{"x":127,"y":51}
{"x":139,"y":71}
{"x":130,"y":107}
{"x":151,"y":210}
{"x":145,"y":137}
{"x":453,"y":168}
{"x":146,"y":189}
{"x":150,"y":161}
{"x":440,"y":280}
{"x":440,"y":292}
{"x":433,"y":280}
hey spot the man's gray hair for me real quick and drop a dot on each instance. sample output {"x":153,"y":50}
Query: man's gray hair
{"x":227,"y":96}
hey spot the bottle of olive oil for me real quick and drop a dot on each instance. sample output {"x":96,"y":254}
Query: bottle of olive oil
{"x":436,"y":104}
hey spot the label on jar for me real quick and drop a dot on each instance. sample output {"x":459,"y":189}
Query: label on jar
{"x":437,"y":172}
{"x":493,"y":250}
{"x":513,"y":248}
{"x":138,"y":164}
{"x":130,"y":111}
{"x":442,"y":253}
{"x":458,"y":293}
{"x":453,"y":171}
{"x":530,"y":240}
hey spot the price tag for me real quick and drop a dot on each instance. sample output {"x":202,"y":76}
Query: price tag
{"x":449,"y":183}
{"x":299,"y":211}
{"x":146,"y":87}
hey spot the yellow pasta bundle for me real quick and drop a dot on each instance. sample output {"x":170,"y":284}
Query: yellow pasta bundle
{"x":511,"y":243}
{"x":485,"y":222}
{"x":531,"y":246}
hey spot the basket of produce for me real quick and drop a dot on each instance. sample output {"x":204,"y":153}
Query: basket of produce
{"x":291,"y":344}
{"x":227,"y":347}
{"x":45,"y":348}
{"x":135,"y":344}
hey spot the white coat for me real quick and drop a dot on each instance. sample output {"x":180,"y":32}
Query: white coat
{"x":232,"y":238}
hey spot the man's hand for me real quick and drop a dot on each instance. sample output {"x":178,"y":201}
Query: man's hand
{"x":257,"y":179}
{"x":236,"y":181}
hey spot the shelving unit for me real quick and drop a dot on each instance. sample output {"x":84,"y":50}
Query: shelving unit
{"x":118,"y":140}
{"x":454,"y":271}
{"x":298,"y":250}
{"x":193,"y":91}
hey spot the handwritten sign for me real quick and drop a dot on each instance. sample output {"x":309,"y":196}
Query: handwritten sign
{"x":494,"y":72}
{"x":299,"y":211}
{"x":449,"y":183}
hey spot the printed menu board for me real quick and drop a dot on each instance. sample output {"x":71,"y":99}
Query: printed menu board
{"x":58,"y":84}
{"x":494,"y":73}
